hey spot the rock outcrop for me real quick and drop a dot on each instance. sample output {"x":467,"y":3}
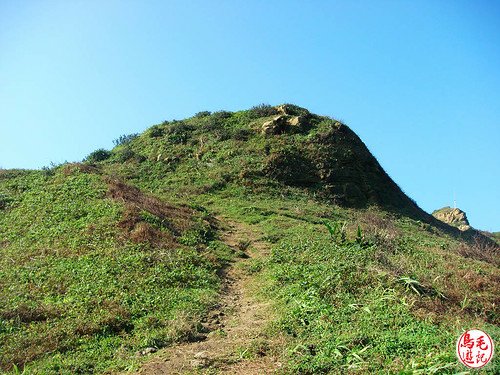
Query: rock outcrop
{"x":288,"y":120}
{"x":453,"y":216}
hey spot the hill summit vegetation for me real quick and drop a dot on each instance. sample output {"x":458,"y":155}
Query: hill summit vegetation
{"x":155,"y":247}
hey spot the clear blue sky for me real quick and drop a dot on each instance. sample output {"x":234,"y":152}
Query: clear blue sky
{"x":419,"y":81}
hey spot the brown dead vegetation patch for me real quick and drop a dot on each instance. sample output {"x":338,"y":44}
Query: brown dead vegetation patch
{"x":466,"y":292}
{"x":28,"y":314}
{"x":45,"y":343}
{"x":378,"y":230}
{"x":480,"y":250}
{"x":457,"y":292}
{"x":147,"y":218}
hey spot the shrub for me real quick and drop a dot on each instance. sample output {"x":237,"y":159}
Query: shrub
{"x":242,"y":134}
{"x":4,"y":201}
{"x":50,"y":170}
{"x":222,"y":114}
{"x":179,"y":132}
{"x":126,"y":154}
{"x":217,"y":128}
{"x":295,"y":110}
{"x":98,"y":155}
{"x":202,"y":114}
{"x":156,"y":131}
{"x":262,"y":110}
{"x":211,"y":123}
{"x":124,"y":139}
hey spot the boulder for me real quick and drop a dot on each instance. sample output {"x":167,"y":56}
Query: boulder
{"x":453,"y":216}
{"x":275,"y":126}
{"x":284,"y":124}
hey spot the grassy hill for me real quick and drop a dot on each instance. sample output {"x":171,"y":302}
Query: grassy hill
{"x":127,"y":251}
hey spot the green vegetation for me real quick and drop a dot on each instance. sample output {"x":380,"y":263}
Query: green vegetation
{"x":394,"y":301}
{"x":125,"y":139}
{"x":87,"y":282}
{"x":105,"y":258}
{"x":98,"y":155}
{"x":346,"y":308}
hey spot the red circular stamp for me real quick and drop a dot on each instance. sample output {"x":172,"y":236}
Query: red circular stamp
{"x":475,"y":348}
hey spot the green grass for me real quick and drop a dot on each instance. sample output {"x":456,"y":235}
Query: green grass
{"x":395,"y":301}
{"x":79,"y":296}
{"x":90,"y":275}
{"x":343,"y":306}
{"x":343,"y":312}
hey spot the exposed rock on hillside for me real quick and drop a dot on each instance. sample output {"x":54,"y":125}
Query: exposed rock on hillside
{"x":453,"y":216}
{"x":291,"y":119}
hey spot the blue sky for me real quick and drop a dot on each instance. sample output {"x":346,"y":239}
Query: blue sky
{"x":419,"y":81}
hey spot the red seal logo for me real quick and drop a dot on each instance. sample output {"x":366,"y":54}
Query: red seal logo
{"x":475,"y":348}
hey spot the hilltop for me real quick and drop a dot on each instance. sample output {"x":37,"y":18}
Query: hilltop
{"x":262,"y":240}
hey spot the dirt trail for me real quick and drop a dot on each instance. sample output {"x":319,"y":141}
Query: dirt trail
{"x":237,"y":342}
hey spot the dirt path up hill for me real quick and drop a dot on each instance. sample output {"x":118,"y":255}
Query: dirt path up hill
{"x":237,"y":342}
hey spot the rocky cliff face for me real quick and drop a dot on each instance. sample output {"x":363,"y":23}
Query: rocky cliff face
{"x":453,"y":216}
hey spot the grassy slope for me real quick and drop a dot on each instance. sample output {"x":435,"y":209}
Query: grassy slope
{"x":80,"y":295}
{"x":351,"y":306}
{"x":395,"y":300}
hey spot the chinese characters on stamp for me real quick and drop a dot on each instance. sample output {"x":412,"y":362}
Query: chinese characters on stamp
{"x":475,"y":348}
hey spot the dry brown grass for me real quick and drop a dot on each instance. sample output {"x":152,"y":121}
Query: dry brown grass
{"x":480,"y":250}
{"x":27,"y":314}
{"x":32,"y":349}
{"x":378,"y":230}
{"x":446,"y":288}
{"x":176,"y":219}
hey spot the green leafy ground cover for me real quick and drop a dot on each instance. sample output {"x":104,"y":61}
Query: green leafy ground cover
{"x":393,"y":302}
{"x":80,"y":296}
{"x":102,"y":259}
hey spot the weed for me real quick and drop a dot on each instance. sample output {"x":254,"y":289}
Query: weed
{"x":5,"y":200}
{"x":337,"y":231}
{"x":481,"y":250}
{"x":411,"y":284}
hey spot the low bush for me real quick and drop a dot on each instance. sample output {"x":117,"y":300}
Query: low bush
{"x":202,"y":114}
{"x":126,"y":154}
{"x":242,"y":134}
{"x":295,"y":110}
{"x":156,"y":131}
{"x":4,"y":201}
{"x":179,"y":132}
{"x":262,"y":110}
{"x":222,"y":114}
{"x":98,"y":155}
{"x":125,"y":139}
